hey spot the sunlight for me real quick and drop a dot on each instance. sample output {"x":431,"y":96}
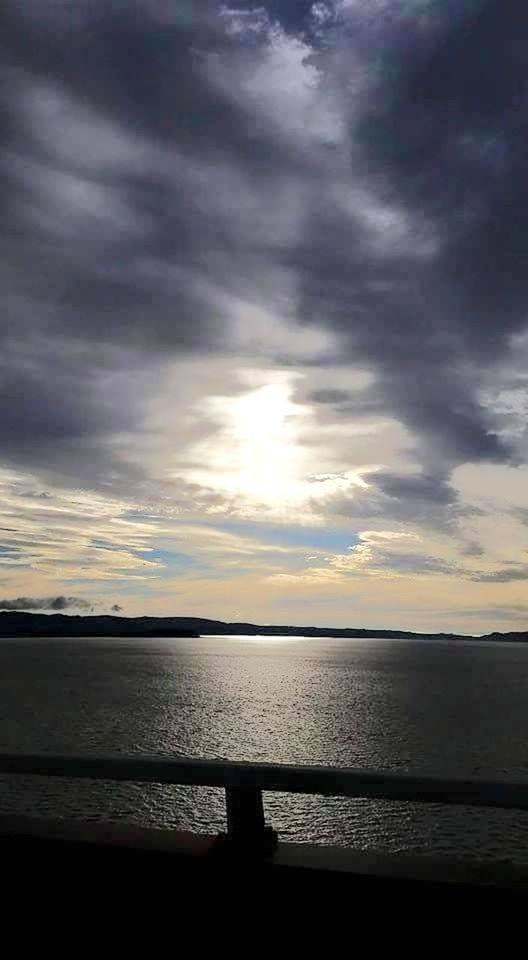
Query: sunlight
{"x":265,"y":427}
{"x":265,"y":639}
{"x":263,"y":451}
{"x":257,"y":454}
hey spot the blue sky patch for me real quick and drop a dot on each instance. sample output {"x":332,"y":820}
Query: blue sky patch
{"x":172,"y":561}
{"x":325,"y":539}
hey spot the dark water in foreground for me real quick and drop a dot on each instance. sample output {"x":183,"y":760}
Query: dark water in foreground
{"x":444,"y":708}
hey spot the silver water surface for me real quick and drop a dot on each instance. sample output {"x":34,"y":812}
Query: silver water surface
{"x":438,"y":707}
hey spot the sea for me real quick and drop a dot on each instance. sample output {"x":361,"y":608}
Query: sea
{"x":451,"y":708}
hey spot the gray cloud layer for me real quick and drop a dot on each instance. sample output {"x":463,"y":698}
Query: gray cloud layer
{"x":151,"y":177}
{"x":511,"y":574}
{"x":46,"y":603}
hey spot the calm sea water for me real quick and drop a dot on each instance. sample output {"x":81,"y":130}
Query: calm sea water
{"x":443,"y":708}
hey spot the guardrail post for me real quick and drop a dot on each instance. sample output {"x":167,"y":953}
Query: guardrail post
{"x":246,"y":827}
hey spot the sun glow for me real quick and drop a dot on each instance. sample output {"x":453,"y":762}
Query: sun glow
{"x":259,"y":452}
{"x":256,"y":453}
{"x":265,"y":426}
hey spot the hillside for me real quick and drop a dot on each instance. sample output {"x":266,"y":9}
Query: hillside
{"x":15,"y":624}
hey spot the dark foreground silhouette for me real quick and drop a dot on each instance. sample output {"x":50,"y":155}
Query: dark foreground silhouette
{"x":15,"y":624}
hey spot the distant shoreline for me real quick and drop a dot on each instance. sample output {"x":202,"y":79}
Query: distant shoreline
{"x":14,"y":624}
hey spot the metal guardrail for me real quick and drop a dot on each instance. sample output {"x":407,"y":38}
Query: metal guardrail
{"x":244,"y":783}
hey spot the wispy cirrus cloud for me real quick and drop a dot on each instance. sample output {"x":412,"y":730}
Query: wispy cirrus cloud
{"x":510,"y":574}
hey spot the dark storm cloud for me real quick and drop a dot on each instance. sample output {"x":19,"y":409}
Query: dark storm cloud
{"x":434,"y":489}
{"x":139,"y":180}
{"x":449,"y":136}
{"x":420,"y":498}
{"x":101,"y":258}
{"x":46,"y":603}
{"x":122,"y":168}
{"x":446,"y":134}
{"x":442,"y":134}
{"x":148,"y":245}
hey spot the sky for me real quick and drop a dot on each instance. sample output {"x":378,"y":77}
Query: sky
{"x":264,"y":337}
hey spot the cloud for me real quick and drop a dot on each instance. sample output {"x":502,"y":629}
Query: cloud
{"x":415,"y":499}
{"x":472,"y":550}
{"x":118,"y":185}
{"x":74,"y":537}
{"x":521,"y":514}
{"x":390,"y":553}
{"x":116,"y":608}
{"x":192,"y":192}
{"x":378,"y":554}
{"x":502,"y":612}
{"x":508,"y":574}
{"x":47,"y":603}
{"x":330,"y":396}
